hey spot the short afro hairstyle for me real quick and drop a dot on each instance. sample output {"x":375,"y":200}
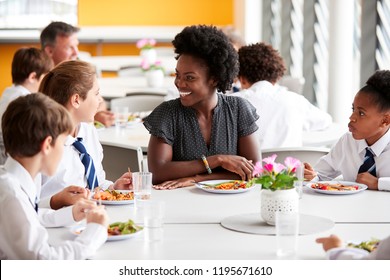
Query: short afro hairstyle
{"x":212,"y":46}
{"x":378,"y":87}
{"x":260,"y":62}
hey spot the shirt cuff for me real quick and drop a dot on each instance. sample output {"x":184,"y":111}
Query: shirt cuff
{"x":346,"y":254}
{"x":44,"y":202}
{"x":384,"y":184}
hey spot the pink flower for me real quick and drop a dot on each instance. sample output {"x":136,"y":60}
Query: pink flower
{"x":146,"y":43}
{"x":278,"y":167}
{"x":291,"y":163}
{"x":146,"y":66}
{"x":269,"y":167}
{"x":258,"y":169}
{"x":270,"y":160}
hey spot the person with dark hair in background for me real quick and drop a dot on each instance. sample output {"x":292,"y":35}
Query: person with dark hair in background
{"x":59,"y":40}
{"x":204,"y":134}
{"x":29,"y":65}
{"x":284,"y":115}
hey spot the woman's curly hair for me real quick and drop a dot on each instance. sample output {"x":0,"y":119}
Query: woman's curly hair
{"x":378,"y":87}
{"x":214,"y":48}
{"x":260,"y":62}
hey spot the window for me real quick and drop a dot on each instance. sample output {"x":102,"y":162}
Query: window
{"x":15,"y":14}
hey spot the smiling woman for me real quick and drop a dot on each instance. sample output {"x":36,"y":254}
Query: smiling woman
{"x":203,"y":121}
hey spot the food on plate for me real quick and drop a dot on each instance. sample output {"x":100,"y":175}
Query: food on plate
{"x":132,"y":118}
{"x":119,"y":228}
{"x":231,"y":185}
{"x":113,"y":195}
{"x":334,"y":187}
{"x":369,"y":246}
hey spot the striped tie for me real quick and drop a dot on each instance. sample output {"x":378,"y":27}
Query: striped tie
{"x":368,"y":163}
{"x":87,"y":161}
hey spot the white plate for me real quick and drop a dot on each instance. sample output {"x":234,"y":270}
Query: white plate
{"x":362,"y":187}
{"x":115,"y":202}
{"x":134,"y":122}
{"x":214,"y":182}
{"x":76,"y":230}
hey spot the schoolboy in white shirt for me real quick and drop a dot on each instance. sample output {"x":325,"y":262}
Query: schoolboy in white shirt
{"x":34,"y":130}
{"x":29,"y":65}
{"x":368,"y":139}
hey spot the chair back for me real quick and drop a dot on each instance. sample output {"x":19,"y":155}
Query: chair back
{"x":304,"y":154}
{"x":117,"y":160}
{"x":142,"y":160}
{"x":138,"y":102}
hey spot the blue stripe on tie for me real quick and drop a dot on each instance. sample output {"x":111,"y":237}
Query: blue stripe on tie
{"x":87,"y":161}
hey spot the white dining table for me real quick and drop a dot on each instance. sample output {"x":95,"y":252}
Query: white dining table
{"x":192,"y":227}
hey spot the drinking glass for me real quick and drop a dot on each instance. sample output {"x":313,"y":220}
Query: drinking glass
{"x":121,"y":116}
{"x":142,"y":186}
{"x":298,"y":184}
{"x":287,"y":228}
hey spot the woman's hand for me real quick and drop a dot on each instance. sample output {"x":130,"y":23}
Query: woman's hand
{"x":238,"y":165}
{"x":68,"y":196}
{"x":175,"y":184}
{"x":124,"y":182}
{"x":333,"y":241}
{"x":309,"y":172}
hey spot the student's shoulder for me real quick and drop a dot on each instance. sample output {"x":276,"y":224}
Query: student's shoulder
{"x":7,"y":182}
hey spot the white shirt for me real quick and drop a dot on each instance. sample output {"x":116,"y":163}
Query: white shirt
{"x":22,"y":236}
{"x":284,"y":115}
{"x":381,"y":253}
{"x":9,"y":94}
{"x":71,"y":170}
{"x":347,"y":156}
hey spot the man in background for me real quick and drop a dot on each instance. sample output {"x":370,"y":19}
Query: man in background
{"x":59,"y":41}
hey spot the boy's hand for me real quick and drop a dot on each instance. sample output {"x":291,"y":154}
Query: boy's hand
{"x":333,"y":241}
{"x":68,"y":196}
{"x":98,"y":215}
{"x":124,"y":182}
{"x":367,"y":179}
{"x":81,"y":208}
{"x":309,"y":172}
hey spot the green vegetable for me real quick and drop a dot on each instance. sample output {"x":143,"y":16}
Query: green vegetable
{"x":369,"y":246}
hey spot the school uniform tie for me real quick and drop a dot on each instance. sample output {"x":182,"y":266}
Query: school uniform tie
{"x":87,"y":161}
{"x":368,"y":163}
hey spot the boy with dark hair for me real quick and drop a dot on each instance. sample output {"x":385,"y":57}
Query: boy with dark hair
{"x":29,"y":65}
{"x":35,"y":128}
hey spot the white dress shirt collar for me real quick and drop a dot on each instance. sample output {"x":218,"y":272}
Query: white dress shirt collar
{"x":378,"y":147}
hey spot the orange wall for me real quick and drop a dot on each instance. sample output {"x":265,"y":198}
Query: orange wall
{"x":155,"y":12}
{"x":132,"y":12}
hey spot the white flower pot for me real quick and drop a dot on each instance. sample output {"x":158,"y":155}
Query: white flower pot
{"x":278,"y":201}
{"x":155,"y":78}
{"x":150,"y":55}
